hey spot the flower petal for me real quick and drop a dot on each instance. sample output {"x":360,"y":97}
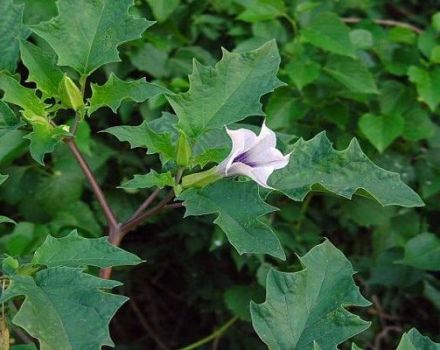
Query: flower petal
{"x":259,"y":175}
{"x":269,"y":157}
{"x":241,"y":139}
{"x":267,"y":139}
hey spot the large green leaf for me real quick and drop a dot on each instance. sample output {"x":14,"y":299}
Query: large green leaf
{"x":309,"y":306}
{"x":42,"y":68}
{"x":144,"y":135}
{"x":352,"y":74}
{"x":316,"y":165}
{"x":381,"y":130}
{"x":21,"y":96}
{"x":11,"y":31}
{"x":228,"y":92}
{"x":115,"y":90}
{"x":152,"y":179}
{"x":65,"y":308}
{"x":413,"y":340}
{"x":423,"y":252}
{"x":86,"y":34}
{"x":238,"y":207}
{"x":427,"y":83}
{"x":328,"y":32}
{"x":76,"y":251}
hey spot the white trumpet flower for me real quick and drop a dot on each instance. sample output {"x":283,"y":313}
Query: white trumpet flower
{"x":254,"y":156}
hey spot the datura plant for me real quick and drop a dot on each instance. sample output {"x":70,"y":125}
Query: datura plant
{"x":216,"y":158}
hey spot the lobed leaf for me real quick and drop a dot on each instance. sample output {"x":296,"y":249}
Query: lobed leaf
{"x":42,"y":68}
{"x":307,"y":309}
{"x":413,"y":340}
{"x":316,"y":165}
{"x":12,"y":30}
{"x":228,"y":92}
{"x":238,"y":207}
{"x":65,"y":308}
{"x":143,"y":135}
{"x":76,"y":251}
{"x":115,"y":90}
{"x":152,"y":179}
{"x":19,"y":95}
{"x":86,"y":34}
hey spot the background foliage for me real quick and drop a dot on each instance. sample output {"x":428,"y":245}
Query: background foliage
{"x":346,"y":72}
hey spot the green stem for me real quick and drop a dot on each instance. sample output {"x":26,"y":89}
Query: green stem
{"x":303,"y":211}
{"x":216,"y":334}
{"x":292,"y":23}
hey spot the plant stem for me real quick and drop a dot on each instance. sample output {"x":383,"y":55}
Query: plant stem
{"x":303,"y":211}
{"x":385,"y":22}
{"x":145,"y":204}
{"x":109,"y":215}
{"x":216,"y":334}
{"x":132,"y":224}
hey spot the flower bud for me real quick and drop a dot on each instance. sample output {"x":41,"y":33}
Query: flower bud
{"x":183,"y":155}
{"x":71,"y":95}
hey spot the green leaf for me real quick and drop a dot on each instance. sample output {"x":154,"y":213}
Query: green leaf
{"x":237,"y":299}
{"x":5,"y":219}
{"x":8,"y":118}
{"x":435,"y":20}
{"x":303,"y":71}
{"x":418,"y":125}
{"x":328,"y":32}
{"x":115,"y":90}
{"x":413,"y":340}
{"x":352,"y":74}
{"x":238,"y":206}
{"x":162,"y":9}
{"x":65,"y":308}
{"x":309,"y":306}
{"x":42,"y":68}
{"x":262,"y":10}
{"x":361,"y":39}
{"x":143,"y":135}
{"x":381,"y":130}
{"x":44,"y":138}
{"x":21,"y":96}
{"x":12,"y":31}
{"x":76,"y":251}
{"x":3,"y":178}
{"x":427,"y":84}
{"x":316,"y":165}
{"x":86,"y":34}
{"x":228,"y":92}
{"x":152,"y":179}
{"x":423,"y":252}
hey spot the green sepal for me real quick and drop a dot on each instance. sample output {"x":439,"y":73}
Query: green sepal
{"x":201,"y":179}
